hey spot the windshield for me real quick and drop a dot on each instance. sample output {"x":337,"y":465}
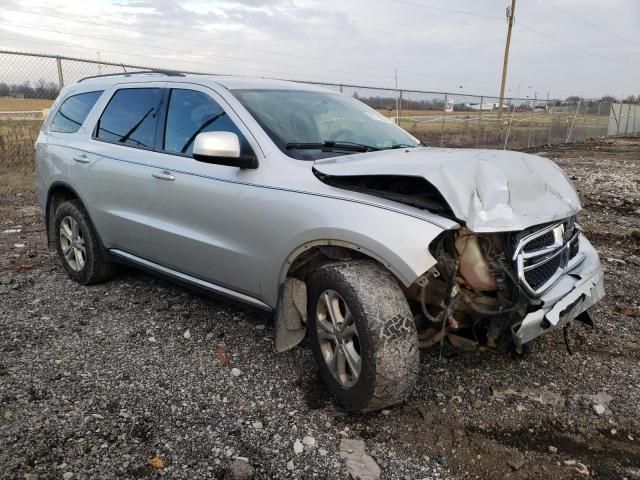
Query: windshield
{"x":309,"y":125}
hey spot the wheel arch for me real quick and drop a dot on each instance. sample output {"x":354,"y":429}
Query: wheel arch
{"x":58,"y":193}
{"x":291,"y":312}
{"x":338,"y":247}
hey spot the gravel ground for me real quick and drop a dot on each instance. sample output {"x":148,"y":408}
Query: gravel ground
{"x":140,"y":378}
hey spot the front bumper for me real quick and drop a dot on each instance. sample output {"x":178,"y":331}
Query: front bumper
{"x":575,"y":292}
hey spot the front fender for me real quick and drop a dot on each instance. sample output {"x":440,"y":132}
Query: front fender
{"x":398,"y":241}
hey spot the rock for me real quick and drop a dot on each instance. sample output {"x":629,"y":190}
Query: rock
{"x":298,"y":447}
{"x":309,"y":441}
{"x":633,"y":472}
{"x":257,"y":425}
{"x":540,"y":395}
{"x":516,"y":463}
{"x":156,"y":463}
{"x":152,"y":339}
{"x":239,"y":469}
{"x":67,"y":475}
{"x":599,"y":409}
{"x":290,"y":465}
{"x":187,"y":334}
{"x":322,"y":452}
{"x":236,"y":372}
{"x":553,"y":449}
{"x":359,"y":465}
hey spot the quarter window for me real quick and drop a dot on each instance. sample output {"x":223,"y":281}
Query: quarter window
{"x":190,"y":113}
{"x":130,"y":117}
{"x":73,"y":112}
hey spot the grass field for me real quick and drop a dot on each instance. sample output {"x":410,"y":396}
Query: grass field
{"x":10,"y":104}
{"x":473,"y":129}
{"x":17,"y":169}
{"x":484,"y":129}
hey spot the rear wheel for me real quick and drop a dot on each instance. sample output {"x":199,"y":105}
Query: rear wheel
{"x":362,"y":334}
{"x":77,"y":243}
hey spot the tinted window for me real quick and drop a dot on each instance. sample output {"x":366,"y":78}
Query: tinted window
{"x":190,"y":113}
{"x":73,"y":112}
{"x":130,"y":118}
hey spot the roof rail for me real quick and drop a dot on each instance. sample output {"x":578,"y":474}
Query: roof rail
{"x":168,"y":73}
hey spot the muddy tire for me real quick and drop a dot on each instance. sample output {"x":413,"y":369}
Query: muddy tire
{"x":367,"y":300}
{"x":80,"y":252}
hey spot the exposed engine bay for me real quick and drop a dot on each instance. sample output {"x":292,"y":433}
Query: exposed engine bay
{"x":484,"y":284}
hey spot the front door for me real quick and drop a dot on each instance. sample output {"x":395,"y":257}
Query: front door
{"x":205,"y":219}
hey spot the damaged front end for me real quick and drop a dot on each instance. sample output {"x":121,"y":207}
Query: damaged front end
{"x":518,"y":266}
{"x":502,"y":290}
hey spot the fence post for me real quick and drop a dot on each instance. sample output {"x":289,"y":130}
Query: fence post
{"x":626,"y":128}
{"x":635,"y":114}
{"x":573,"y":121}
{"x":479,"y":122}
{"x":506,"y":138}
{"x":444,"y":121}
{"x":550,"y":113}
{"x":60,"y":78}
{"x":597,"y":120}
{"x":532,"y":120}
{"x":341,"y":89}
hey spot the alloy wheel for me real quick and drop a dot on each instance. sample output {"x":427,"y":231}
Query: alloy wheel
{"x":338,"y":337}
{"x":72,"y":242}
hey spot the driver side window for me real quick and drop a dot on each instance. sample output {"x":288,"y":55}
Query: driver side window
{"x":191,"y":112}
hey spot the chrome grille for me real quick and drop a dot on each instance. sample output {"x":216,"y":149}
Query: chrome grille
{"x":542,"y":256}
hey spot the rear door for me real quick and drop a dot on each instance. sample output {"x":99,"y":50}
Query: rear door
{"x":112,"y":173}
{"x":205,"y":218}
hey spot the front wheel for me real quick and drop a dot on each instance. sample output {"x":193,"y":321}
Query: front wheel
{"x":362,"y":334}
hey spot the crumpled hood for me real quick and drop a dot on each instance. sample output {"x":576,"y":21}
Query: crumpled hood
{"x":489,"y":190}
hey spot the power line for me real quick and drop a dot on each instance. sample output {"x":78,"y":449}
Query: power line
{"x":591,"y":24}
{"x":577,"y":47}
{"x":450,"y":10}
{"x":143,"y":45}
{"x":218,"y":44}
{"x":475,"y":14}
{"x":262,"y":71}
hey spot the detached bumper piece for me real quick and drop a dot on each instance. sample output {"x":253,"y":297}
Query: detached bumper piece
{"x":569,"y":298}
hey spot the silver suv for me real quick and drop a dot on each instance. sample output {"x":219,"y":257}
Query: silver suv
{"x":308,"y":204}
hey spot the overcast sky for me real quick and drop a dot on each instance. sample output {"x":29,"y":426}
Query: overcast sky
{"x":565,"y":47}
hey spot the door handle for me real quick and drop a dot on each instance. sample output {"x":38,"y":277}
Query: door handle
{"x":163,"y":175}
{"x":81,"y":159}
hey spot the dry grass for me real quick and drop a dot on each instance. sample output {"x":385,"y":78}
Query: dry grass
{"x":17,"y":168}
{"x":484,"y":129}
{"x":10,"y":104}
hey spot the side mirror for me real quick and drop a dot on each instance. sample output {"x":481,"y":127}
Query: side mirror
{"x":221,"y":148}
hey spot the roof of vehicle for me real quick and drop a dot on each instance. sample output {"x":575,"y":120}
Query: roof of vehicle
{"x":229,"y":82}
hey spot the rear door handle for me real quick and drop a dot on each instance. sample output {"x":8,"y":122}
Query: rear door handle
{"x":81,"y":159}
{"x":163,"y":175}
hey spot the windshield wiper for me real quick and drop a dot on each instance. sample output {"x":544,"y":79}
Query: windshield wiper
{"x":331,"y":145}
{"x":400,"y":145}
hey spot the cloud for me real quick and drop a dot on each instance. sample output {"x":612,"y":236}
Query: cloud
{"x":359,"y":41}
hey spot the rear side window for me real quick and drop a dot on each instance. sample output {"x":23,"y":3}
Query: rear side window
{"x":73,"y":112}
{"x":130,"y":117}
{"x":190,"y":113}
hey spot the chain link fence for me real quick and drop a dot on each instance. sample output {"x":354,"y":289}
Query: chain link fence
{"x":30,"y":82}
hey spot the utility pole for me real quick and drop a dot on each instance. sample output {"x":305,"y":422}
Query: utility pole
{"x":510,"y":14}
